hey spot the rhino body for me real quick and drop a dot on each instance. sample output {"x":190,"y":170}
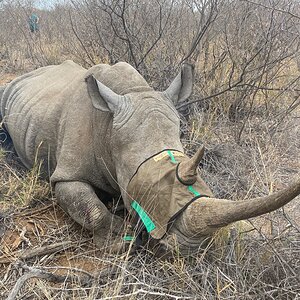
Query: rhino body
{"x":50,"y":115}
{"x":92,"y":129}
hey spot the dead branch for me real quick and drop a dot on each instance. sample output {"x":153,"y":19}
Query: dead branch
{"x":272,"y":8}
{"x":80,"y":40}
{"x":213,"y":13}
{"x":48,"y":249}
{"x":42,"y":274}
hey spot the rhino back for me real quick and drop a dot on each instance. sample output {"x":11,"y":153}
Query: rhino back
{"x":33,"y":106}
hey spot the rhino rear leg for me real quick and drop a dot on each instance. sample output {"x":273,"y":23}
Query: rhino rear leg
{"x":2,"y":88}
{"x":1,"y":93}
{"x":80,"y":201}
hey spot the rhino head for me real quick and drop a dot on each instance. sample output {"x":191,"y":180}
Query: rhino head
{"x":146,"y":124}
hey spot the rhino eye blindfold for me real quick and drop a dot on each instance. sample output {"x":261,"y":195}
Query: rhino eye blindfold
{"x":158,"y":195}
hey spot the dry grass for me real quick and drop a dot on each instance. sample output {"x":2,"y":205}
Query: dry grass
{"x":249,"y":268}
{"x":249,"y":261}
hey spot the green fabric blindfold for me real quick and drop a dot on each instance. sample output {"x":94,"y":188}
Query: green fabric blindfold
{"x":157,"y":196}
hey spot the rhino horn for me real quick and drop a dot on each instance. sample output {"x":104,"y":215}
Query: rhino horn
{"x":205,"y":215}
{"x":187,"y":170}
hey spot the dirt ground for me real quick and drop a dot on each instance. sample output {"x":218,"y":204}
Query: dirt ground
{"x":32,"y":232}
{"x":6,"y":78}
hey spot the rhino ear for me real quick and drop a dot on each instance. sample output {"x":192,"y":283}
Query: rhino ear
{"x":182,"y":86}
{"x":103,"y":98}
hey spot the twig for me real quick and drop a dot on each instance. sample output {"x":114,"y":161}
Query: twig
{"x":272,"y":8}
{"x":35,"y":211}
{"x":39,"y":273}
{"x":48,"y":249}
{"x":277,"y":254}
{"x":20,"y":282}
{"x":141,"y":291}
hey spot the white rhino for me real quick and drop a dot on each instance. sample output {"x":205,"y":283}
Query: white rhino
{"x":105,"y":130}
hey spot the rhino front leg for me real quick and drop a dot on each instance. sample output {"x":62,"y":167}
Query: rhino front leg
{"x":80,"y":201}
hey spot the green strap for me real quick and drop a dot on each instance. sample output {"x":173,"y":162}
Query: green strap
{"x":191,"y":189}
{"x":143,"y":216}
{"x":128,"y":238}
{"x":171,"y":156}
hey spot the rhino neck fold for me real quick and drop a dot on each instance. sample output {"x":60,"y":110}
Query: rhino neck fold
{"x":104,"y":166}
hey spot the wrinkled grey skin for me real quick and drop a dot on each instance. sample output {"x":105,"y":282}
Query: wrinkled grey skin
{"x":88,"y":140}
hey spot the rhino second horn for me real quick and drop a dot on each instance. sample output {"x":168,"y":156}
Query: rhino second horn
{"x":187,"y":170}
{"x":205,"y":215}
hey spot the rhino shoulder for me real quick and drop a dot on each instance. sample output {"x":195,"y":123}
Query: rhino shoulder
{"x":124,"y":66}
{"x":71,"y":64}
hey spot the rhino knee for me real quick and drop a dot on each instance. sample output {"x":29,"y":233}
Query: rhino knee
{"x":82,"y":204}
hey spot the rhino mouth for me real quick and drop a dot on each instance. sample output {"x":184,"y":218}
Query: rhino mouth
{"x":174,"y":245}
